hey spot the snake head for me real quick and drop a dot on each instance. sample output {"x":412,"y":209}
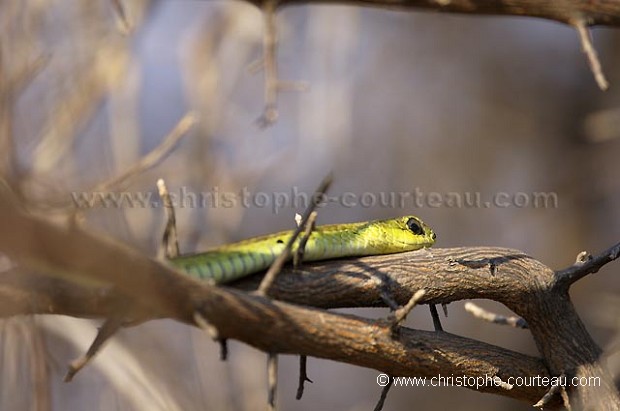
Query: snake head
{"x":404,"y":234}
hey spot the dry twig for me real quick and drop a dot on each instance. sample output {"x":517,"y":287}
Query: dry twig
{"x":588,"y":48}
{"x":384,"y":393}
{"x":272,"y":379}
{"x":303,"y":377}
{"x":481,"y":313}
{"x":277,"y":265}
{"x":154,"y":157}
{"x":398,"y":316}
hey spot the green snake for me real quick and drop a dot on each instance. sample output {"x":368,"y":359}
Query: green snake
{"x":234,"y":261}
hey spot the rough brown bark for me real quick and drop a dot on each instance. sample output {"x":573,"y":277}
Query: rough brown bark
{"x":520,"y":282}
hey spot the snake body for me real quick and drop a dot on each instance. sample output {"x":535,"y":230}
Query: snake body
{"x":234,"y":261}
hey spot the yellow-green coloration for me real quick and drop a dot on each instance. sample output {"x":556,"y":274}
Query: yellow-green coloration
{"x":233,"y":261}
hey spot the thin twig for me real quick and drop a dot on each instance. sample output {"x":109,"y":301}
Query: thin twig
{"x":384,"y":393}
{"x":301,"y":248}
{"x":148,"y":161}
{"x":566,"y":277}
{"x":277,"y":265}
{"x":122,"y":15}
{"x":398,"y":316}
{"x":107,"y":330}
{"x":303,"y":376}
{"x":297,"y":259}
{"x":270,"y":39}
{"x":154,"y":157}
{"x":481,"y":313}
{"x":269,"y":62}
{"x":272,"y":378}
{"x":169,"y":247}
{"x":588,"y":48}
{"x":435,"y":317}
{"x":28,"y":74}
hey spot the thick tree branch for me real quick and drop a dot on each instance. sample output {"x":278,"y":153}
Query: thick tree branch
{"x":508,"y":276}
{"x":595,"y":12}
{"x":284,"y":328}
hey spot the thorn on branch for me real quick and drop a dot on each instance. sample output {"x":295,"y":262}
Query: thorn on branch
{"x":384,"y":394}
{"x":303,"y":377}
{"x":223,"y":349}
{"x":105,"y":332}
{"x":276,"y":266}
{"x":588,"y":48}
{"x":272,"y":378}
{"x":398,"y":316}
{"x":435,"y":317}
{"x":481,"y":313}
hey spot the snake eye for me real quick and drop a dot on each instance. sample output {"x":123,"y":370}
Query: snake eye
{"x":414,"y":226}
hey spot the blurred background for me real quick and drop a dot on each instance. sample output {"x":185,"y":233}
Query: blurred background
{"x":397,"y":102}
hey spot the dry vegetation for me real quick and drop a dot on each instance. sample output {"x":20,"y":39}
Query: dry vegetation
{"x":76,"y":116}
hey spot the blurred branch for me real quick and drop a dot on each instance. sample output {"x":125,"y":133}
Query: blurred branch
{"x":119,"y":8}
{"x":594,"y":12}
{"x":580,"y":14}
{"x":520,"y":282}
{"x":153,"y":158}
